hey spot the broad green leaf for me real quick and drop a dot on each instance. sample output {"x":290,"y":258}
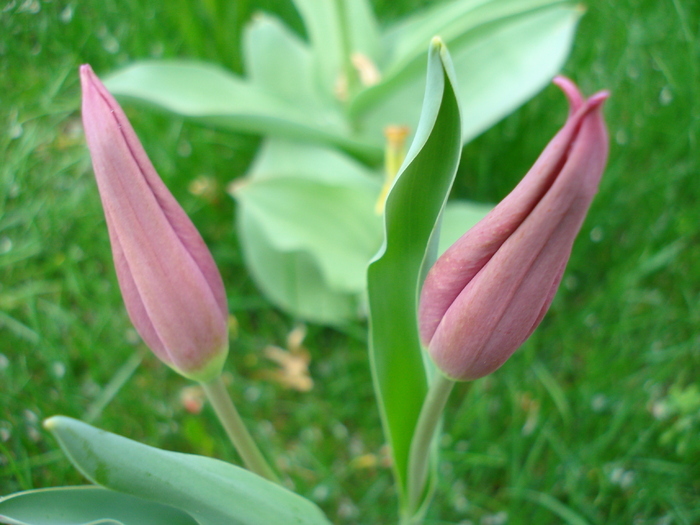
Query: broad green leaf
{"x":203,"y":90}
{"x":362,"y":28}
{"x":309,"y":224}
{"x":337,"y":29}
{"x":451,"y":20}
{"x":458,"y":217}
{"x":335,"y":224}
{"x":215,"y":96}
{"x":504,"y":51}
{"x":211,"y":491}
{"x":280,"y":63}
{"x":286,"y":158}
{"x":314,"y":200}
{"x":322,"y":22}
{"x":412,"y":213}
{"x":86,"y":505}
{"x":292,"y":280}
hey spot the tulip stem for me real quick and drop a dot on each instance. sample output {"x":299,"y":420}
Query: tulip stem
{"x":236,"y":430}
{"x":419,"y":455}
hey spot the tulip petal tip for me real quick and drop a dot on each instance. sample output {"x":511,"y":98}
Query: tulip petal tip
{"x":598,"y":99}
{"x":571,"y":91}
{"x":86,"y":72}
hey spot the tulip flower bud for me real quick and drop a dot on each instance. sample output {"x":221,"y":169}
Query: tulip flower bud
{"x":171,"y":287}
{"x":488,"y":292}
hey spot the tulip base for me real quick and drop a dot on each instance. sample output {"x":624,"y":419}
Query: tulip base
{"x":236,"y":429}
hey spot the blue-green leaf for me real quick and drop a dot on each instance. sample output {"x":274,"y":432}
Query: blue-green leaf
{"x":211,"y":491}
{"x":86,"y":505}
{"x":412,"y":211}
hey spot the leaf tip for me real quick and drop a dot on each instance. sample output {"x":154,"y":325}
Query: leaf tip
{"x":56,"y":423}
{"x":51,"y":423}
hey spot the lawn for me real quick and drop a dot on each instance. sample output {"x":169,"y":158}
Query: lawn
{"x":596,"y":420}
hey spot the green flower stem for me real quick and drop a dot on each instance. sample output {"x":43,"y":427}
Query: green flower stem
{"x":419,"y":455}
{"x":236,"y":430}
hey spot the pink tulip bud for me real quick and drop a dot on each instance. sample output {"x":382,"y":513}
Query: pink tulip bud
{"x":488,"y":292}
{"x":170,"y":284}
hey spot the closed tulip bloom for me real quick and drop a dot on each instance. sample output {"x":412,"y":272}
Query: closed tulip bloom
{"x":489,"y":291}
{"x":171,"y":287}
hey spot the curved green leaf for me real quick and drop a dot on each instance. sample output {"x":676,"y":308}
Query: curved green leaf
{"x":453,"y":21}
{"x":280,"y":63}
{"x":337,"y":29}
{"x":394,"y":276}
{"x":322,"y":22}
{"x":86,"y":505}
{"x":292,"y":280}
{"x":313,"y":200}
{"x":363,"y":29}
{"x":504,"y":51}
{"x":335,"y":224}
{"x":215,"y":96}
{"x":211,"y":491}
{"x":307,"y":223}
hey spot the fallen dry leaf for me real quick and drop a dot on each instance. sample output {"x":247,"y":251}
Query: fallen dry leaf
{"x":293,"y":371}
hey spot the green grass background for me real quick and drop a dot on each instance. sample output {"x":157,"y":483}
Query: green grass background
{"x":596,"y":420}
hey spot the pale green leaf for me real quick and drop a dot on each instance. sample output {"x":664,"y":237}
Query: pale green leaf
{"x":314,"y":200}
{"x":504,"y":51}
{"x":452,"y":21}
{"x":292,"y":280}
{"x":412,"y":213}
{"x":322,"y":22}
{"x":211,"y":491}
{"x":335,"y":224}
{"x":336,"y":30}
{"x":363,"y":29}
{"x":310,"y":225}
{"x":212,"y":95}
{"x":280,"y":63}
{"x":286,"y":158}
{"x":86,"y":505}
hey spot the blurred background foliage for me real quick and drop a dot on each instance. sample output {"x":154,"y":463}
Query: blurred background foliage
{"x":595,"y":420}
